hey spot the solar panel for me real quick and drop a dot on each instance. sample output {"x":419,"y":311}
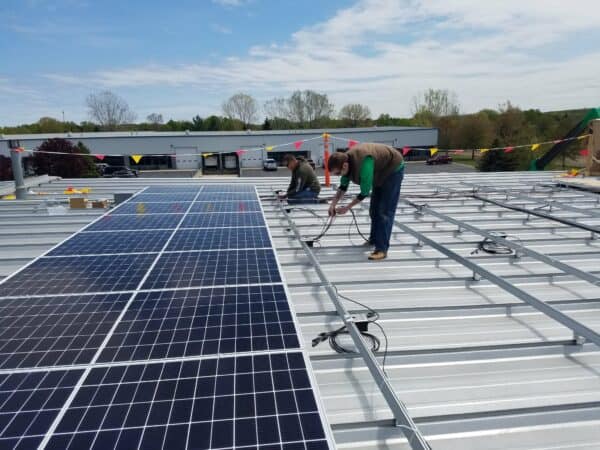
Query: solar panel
{"x":136,"y":222}
{"x":167,"y":197}
{"x":220,"y":207}
{"x":254,"y":401}
{"x":172,"y":189}
{"x":54,"y":331}
{"x":226,"y":196}
{"x":113,"y":242}
{"x":220,"y":220}
{"x":79,"y":274}
{"x":198,"y":269}
{"x":192,"y":359}
{"x":183,"y":323}
{"x":220,"y":238}
{"x":177,"y":207}
{"x":30,"y":403}
{"x":224,"y":188}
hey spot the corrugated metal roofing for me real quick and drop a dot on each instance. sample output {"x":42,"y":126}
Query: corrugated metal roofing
{"x":475,"y":366}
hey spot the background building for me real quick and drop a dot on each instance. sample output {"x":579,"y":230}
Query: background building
{"x":184,"y":150}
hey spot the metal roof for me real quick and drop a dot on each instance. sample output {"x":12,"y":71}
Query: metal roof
{"x":476,"y":367}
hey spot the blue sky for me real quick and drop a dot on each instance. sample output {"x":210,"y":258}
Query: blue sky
{"x":182,"y":58}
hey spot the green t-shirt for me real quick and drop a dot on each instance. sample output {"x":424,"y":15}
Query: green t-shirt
{"x":366,"y":176}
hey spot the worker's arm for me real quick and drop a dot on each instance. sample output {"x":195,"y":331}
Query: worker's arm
{"x":366,"y":184}
{"x":292,"y":187}
{"x":344,"y":182}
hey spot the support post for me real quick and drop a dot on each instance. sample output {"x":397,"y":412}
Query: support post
{"x":17,"y":170}
{"x":326,"y":159}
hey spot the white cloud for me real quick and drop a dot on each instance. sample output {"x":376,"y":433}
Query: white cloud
{"x":230,"y":2}
{"x":382,"y":52}
{"x":220,"y":28}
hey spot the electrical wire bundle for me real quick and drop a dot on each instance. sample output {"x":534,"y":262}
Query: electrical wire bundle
{"x":492,"y":247}
{"x":371,"y":318}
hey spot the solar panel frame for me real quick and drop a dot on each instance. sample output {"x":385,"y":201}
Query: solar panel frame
{"x":320,"y":418}
{"x":199,"y":322}
{"x":225,"y":207}
{"x":79,"y":275}
{"x":253,"y":400}
{"x":213,"y":268}
{"x":168,"y":197}
{"x":226,"y":197}
{"x":227,"y":188}
{"x":135,"y":222}
{"x":219,"y":238}
{"x":30,"y":403}
{"x":175,"y":207}
{"x":223,"y":220}
{"x":113,"y":242}
{"x":55,"y":331}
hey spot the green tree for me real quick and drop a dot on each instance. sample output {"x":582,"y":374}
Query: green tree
{"x":75,"y":163}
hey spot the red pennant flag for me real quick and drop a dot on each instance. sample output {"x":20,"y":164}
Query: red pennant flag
{"x":352,"y":143}
{"x":240,"y":152}
{"x":19,"y":150}
{"x":584,"y":152}
{"x":508,"y":149}
{"x":405,"y":151}
{"x":298,"y":144}
{"x":100,"y":157}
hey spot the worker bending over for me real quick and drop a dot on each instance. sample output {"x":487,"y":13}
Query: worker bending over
{"x":304,"y":186}
{"x":378,"y":168}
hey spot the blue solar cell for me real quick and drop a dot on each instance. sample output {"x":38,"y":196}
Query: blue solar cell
{"x":90,"y":243}
{"x":30,"y":403}
{"x":173,"y":189}
{"x":211,"y":403}
{"x":54,"y":331}
{"x":151,"y":208}
{"x":220,"y":220}
{"x":170,"y":197}
{"x":221,"y":207}
{"x":198,"y":269}
{"x":220,"y":238}
{"x":225,"y":188}
{"x":78,"y":275}
{"x":226,"y":196}
{"x":136,"y":222}
{"x":171,"y":324}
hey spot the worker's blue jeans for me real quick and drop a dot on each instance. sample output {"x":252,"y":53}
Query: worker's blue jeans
{"x":384,"y":201}
{"x":304,"y":196}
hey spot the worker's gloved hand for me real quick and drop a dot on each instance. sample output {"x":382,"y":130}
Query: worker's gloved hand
{"x":331,"y":210}
{"x":342,"y":210}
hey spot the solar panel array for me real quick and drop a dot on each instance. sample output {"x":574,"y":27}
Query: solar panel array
{"x":165,"y":324}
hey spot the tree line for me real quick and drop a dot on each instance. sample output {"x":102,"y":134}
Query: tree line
{"x":503,"y":126}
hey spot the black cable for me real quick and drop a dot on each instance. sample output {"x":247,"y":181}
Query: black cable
{"x":355,"y":221}
{"x":489,"y":245}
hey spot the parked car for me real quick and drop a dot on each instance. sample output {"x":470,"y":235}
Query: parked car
{"x":439,"y":159}
{"x":100,"y":167}
{"x":119,"y":172}
{"x":269,"y":164}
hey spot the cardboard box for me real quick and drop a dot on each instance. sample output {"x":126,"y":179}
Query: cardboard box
{"x":78,"y":203}
{"x":102,"y":204}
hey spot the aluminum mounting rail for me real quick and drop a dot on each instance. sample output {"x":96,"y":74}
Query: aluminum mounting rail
{"x":518,"y":248}
{"x":571,"y":223}
{"x":579,"y":330}
{"x":551,"y":203}
{"x":401,"y":415}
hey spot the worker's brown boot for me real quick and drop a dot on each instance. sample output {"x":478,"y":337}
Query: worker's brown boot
{"x":377,"y":255}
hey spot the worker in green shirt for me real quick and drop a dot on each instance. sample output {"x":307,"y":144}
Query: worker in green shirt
{"x":304,"y":186}
{"x":379,"y":170}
